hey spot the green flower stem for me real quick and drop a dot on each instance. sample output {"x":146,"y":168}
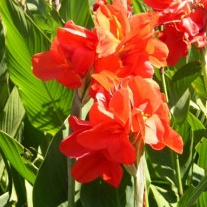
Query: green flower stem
{"x":75,"y":111}
{"x":162,"y":71}
{"x":139,"y":179}
{"x":175,"y":157}
{"x":178,"y":174}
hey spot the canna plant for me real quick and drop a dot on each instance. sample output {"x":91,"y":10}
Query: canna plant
{"x":103,"y":103}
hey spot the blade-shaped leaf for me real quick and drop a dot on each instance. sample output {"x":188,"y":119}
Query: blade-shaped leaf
{"x":182,"y":79}
{"x":14,"y":151}
{"x":78,"y":11}
{"x":197,"y":127}
{"x":46,"y":104}
{"x":192,"y":193}
{"x":180,"y":109}
{"x":201,"y":148}
{"x":163,"y":196}
{"x":12,"y":115}
{"x":100,"y":194}
{"x":50,"y":188}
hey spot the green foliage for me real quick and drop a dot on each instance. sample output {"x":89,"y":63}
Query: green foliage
{"x":32,"y":170}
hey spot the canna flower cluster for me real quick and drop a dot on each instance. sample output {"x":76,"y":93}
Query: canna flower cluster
{"x":183,"y":23}
{"x":117,"y":57}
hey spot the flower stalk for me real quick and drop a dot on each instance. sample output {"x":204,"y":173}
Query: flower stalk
{"x":139,"y":179}
{"x":175,"y":157}
{"x":75,"y":111}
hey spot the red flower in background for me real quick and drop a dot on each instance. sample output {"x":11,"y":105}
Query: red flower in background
{"x":128,"y":42}
{"x":124,"y":111}
{"x":187,"y":19}
{"x":70,"y":57}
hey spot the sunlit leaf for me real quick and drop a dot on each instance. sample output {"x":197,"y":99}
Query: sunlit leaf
{"x":199,"y":87}
{"x":201,"y":148}
{"x":192,"y":193}
{"x":47,"y":104}
{"x":182,"y":79}
{"x":71,"y":10}
{"x":12,"y":115}
{"x":16,"y":158}
{"x":163,"y":197}
{"x":180,"y":109}
{"x":197,"y":127}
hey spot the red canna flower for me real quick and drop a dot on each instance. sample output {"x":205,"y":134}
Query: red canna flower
{"x":124,"y":111}
{"x":127,"y":41}
{"x":186,"y":19}
{"x":70,"y":57}
{"x":91,"y":164}
{"x":148,"y":114}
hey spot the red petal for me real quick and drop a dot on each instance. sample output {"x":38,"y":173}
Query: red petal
{"x":149,"y":98}
{"x":158,"y":4}
{"x":174,"y":141}
{"x":51,"y":65}
{"x":89,"y":168}
{"x":120,"y":105}
{"x":78,"y":124}
{"x":71,"y":148}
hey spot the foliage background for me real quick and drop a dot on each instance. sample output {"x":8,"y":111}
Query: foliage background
{"x":32,"y":170}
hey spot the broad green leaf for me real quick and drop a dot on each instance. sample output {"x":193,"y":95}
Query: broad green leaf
{"x":46,"y":104}
{"x":202,"y":200}
{"x":50,"y":188}
{"x":139,"y":6}
{"x":2,"y":44}
{"x":180,"y":109}
{"x":182,"y":79}
{"x":3,"y":73}
{"x":4,"y":199}
{"x":12,"y":115}
{"x":199,"y":87}
{"x":100,"y":194}
{"x":192,"y":193}
{"x":197,"y":127}
{"x":20,"y":189}
{"x":78,"y":11}
{"x":163,"y":196}
{"x":201,"y":148}
{"x":160,"y":165}
{"x":44,"y":16}
{"x":16,"y":158}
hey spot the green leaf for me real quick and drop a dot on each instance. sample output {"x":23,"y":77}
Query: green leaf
{"x":13,"y":151}
{"x":182,"y":79}
{"x":12,"y":115}
{"x":47,"y":104}
{"x":99,"y":194}
{"x":4,"y":199}
{"x":180,"y":109}
{"x":196,"y":126}
{"x":192,"y":193}
{"x":201,"y":148}
{"x":162,"y":196}
{"x":199,"y":87}
{"x":202,"y":200}
{"x":20,"y":189}
{"x":139,"y":6}
{"x":44,"y":16}
{"x":71,"y":10}
{"x":50,"y":188}
{"x":160,"y":165}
